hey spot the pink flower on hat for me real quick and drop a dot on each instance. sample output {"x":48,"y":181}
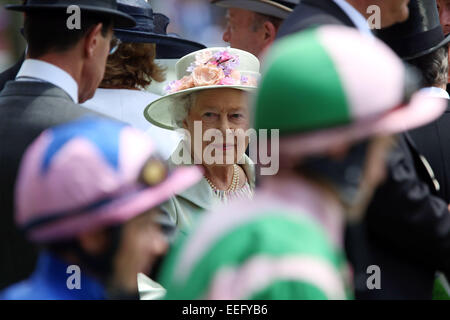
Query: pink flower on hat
{"x":232,"y":80}
{"x":185,"y":83}
{"x":227,"y":82}
{"x":203,"y":57}
{"x":207,"y":75}
{"x":211,"y":69}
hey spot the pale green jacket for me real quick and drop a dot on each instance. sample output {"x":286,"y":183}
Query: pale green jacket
{"x":181,"y":210}
{"x":186,"y":205}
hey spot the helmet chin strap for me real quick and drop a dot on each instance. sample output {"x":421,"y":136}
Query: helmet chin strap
{"x":344,"y":176}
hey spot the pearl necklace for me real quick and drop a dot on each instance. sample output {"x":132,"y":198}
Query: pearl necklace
{"x":234,"y":182}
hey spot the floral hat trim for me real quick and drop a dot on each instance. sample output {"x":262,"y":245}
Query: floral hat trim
{"x":210,"y":69}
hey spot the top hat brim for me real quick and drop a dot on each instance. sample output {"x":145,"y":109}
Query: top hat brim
{"x":429,"y":50}
{"x":120,"y":19}
{"x":168,"y":47}
{"x":267,"y":7}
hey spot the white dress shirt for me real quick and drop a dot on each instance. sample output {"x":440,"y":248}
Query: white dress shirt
{"x":128,"y":106}
{"x":149,"y":289}
{"x":41,"y":71}
{"x":357,"y":18}
{"x":436,"y":92}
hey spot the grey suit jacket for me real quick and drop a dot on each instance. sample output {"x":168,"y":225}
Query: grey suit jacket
{"x":10,"y":74}
{"x":26,"y":109}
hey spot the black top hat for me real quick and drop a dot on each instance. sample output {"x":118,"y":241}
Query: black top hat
{"x":273,"y":8}
{"x":151,"y":28}
{"x":421,"y":34}
{"x":104,"y":7}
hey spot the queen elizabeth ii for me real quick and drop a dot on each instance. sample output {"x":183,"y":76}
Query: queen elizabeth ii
{"x":209,"y":104}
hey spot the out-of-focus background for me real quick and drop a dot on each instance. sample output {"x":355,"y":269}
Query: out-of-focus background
{"x":196,"y":20}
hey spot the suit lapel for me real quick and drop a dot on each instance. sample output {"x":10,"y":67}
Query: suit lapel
{"x":421,"y":161}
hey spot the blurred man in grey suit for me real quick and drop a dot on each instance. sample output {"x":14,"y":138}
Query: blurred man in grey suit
{"x":64,"y":65}
{"x":10,"y":73}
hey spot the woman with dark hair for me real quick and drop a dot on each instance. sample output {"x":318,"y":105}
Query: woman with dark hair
{"x":132,"y":66}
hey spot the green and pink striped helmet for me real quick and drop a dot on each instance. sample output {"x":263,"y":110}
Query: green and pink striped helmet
{"x":263,"y":250}
{"x":331,"y":85}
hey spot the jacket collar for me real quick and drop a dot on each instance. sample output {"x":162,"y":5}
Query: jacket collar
{"x":436,"y":92}
{"x":43,"y":71}
{"x":34,"y":89}
{"x":357,"y":18}
{"x":420,"y":161}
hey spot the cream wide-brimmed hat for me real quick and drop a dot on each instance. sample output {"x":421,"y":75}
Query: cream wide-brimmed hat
{"x":206,"y":69}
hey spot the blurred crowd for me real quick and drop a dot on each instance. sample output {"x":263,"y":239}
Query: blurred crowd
{"x":206,"y":28}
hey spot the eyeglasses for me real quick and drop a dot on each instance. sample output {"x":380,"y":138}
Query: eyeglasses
{"x":114,"y":45}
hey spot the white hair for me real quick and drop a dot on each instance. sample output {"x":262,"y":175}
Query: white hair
{"x":180,"y":108}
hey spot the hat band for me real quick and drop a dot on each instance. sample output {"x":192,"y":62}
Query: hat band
{"x":240,"y":78}
{"x":288,"y":4}
{"x":146,"y":21}
{"x":136,"y":11}
{"x":143,"y":24}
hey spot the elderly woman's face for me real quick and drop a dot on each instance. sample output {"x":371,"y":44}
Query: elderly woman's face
{"x":220,"y":111}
